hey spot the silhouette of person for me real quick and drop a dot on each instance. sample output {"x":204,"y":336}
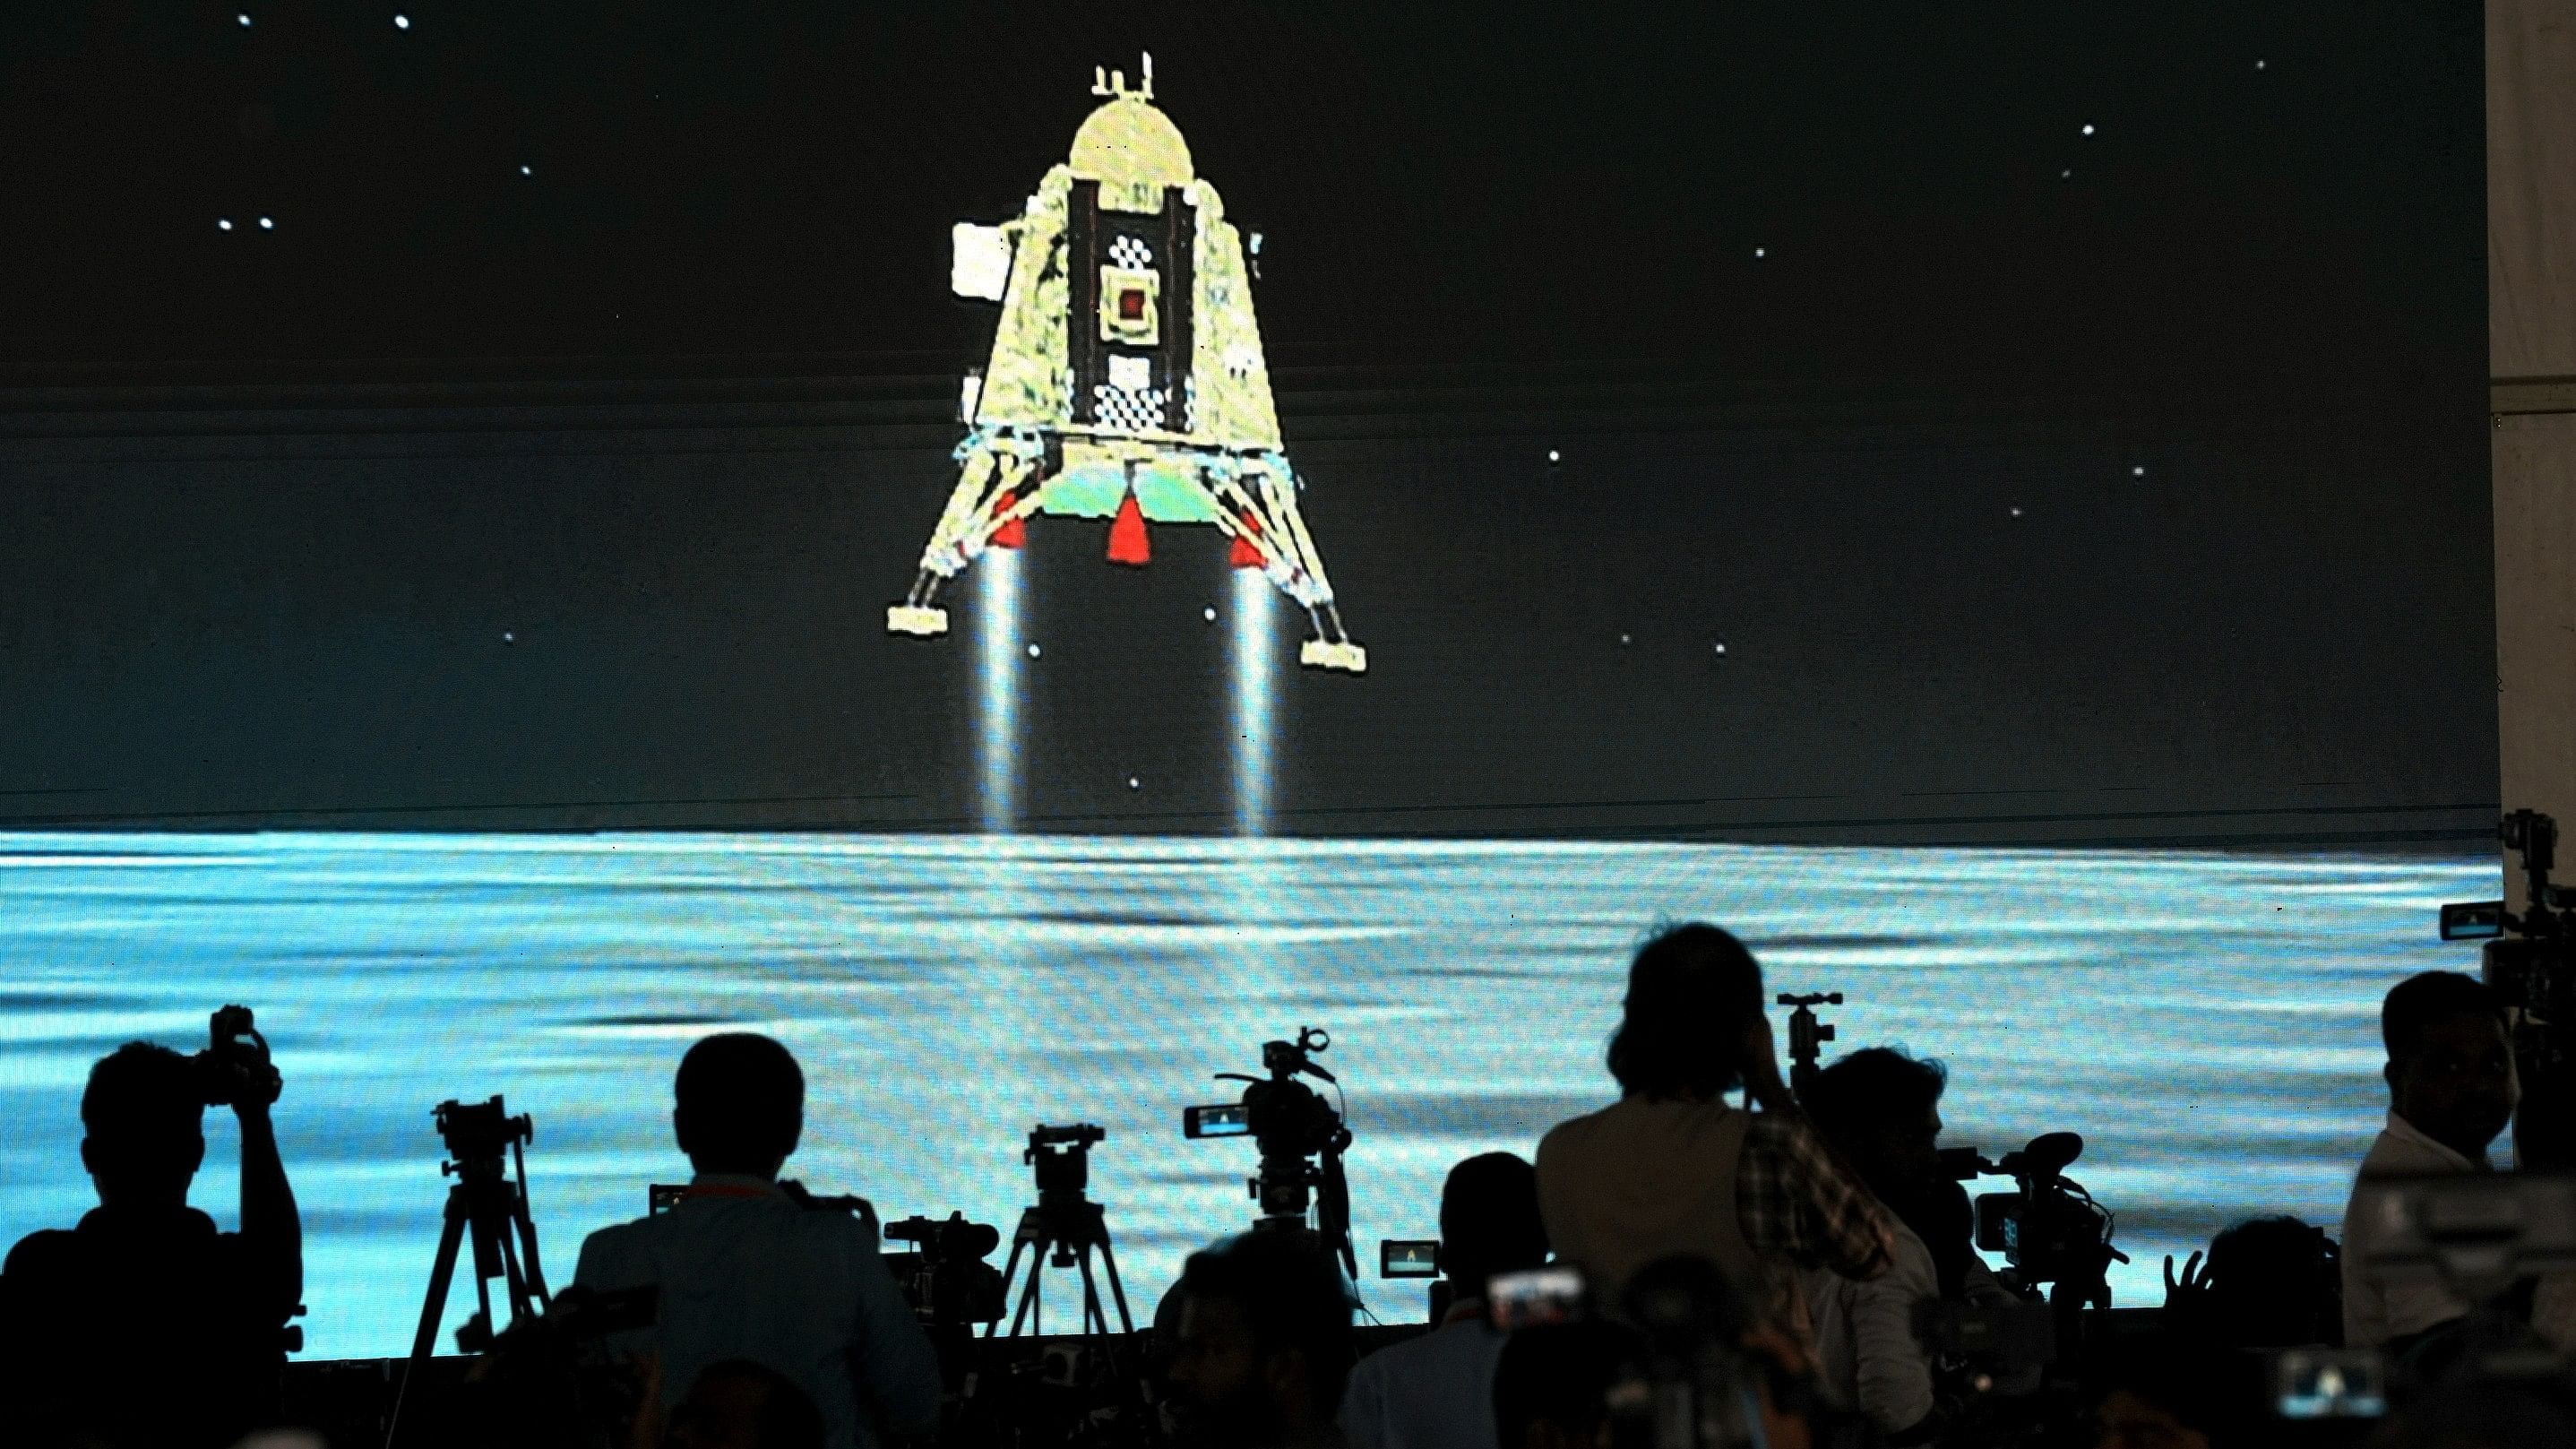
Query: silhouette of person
{"x":738,"y":1404}
{"x":1437,"y":1391}
{"x":1672,"y":1168}
{"x":747,"y":1271}
{"x":2451,"y":1090}
{"x":145,"y":1326}
{"x":1264,"y":1345}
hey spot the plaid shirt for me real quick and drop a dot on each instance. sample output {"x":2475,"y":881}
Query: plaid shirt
{"x":1794,"y":1201}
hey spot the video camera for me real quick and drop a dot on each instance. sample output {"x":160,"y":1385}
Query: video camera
{"x":2050,"y":1229}
{"x":2530,"y":961}
{"x":945,"y":1277}
{"x":235,"y":1067}
{"x":1301,"y":1137}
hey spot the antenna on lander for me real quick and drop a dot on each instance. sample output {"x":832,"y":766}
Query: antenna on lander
{"x":1113,"y":83}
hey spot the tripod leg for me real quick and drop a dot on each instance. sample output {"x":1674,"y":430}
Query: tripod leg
{"x":442,"y":1274}
{"x":1029,"y":1308}
{"x":1095,"y":1319}
{"x":1010,"y":1266}
{"x":1109,"y":1261}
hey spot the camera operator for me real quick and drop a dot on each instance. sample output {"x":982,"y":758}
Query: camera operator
{"x":1437,"y":1391}
{"x":145,"y":1325}
{"x":747,"y":1271}
{"x":2451,"y":1091}
{"x":1881,"y":1109}
{"x":1264,"y":1345}
{"x":1671,"y":1168}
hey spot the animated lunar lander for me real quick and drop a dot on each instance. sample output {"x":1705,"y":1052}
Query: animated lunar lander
{"x":1126,"y":379}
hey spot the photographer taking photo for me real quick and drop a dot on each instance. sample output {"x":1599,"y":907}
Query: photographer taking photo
{"x":1672,"y":1168}
{"x":145,"y":1325}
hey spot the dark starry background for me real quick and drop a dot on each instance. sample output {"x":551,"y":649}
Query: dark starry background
{"x":469,"y":496}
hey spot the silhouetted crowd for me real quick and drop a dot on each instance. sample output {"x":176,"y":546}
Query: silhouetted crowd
{"x":1671,"y":1270}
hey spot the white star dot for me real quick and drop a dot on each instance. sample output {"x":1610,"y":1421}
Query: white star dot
{"x":1208,"y":613}
{"x":1757,"y":252}
{"x":245,"y":20}
{"x":2138,"y":470}
{"x":402,"y":22}
{"x":1623,"y":638}
{"x":265,"y":224}
{"x":1135,"y":784}
{"x":2088,"y":128}
{"x":1720,"y":646}
{"x":1033,"y":651}
{"x":2262,"y":64}
{"x":509,"y":638}
{"x":1554,"y":456}
{"x":224,"y":224}
{"x":2016,"y":513}
{"x":2066,"y":175}
{"x":527,"y":171}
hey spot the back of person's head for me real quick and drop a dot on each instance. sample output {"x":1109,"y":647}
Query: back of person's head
{"x":1552,"y":1384}
{"x":145,"y":1113}
{"x":2275,"y":1283}
{"x":1288,"y":1298}
{"x":1693,"y":994}
{"x":2422,"y":1002}
{"x":740,"y":1104}
{"x":1871,"y":1096}
{"x":1489,"y":1221}
{"x":739,"y":1404}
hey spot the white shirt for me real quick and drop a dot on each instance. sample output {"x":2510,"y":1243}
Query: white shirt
{"x":746,"y":1272}
{"x":1431,"y":1392}
{"x":2375,"y":1313}
{"x":1867,"y":1353}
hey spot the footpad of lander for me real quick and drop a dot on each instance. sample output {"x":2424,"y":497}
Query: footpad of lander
{"x":919,"y":622}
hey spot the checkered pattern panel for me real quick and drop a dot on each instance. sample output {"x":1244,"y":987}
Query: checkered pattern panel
{"x":1131,"y":253}
{"x":1137,"y":409}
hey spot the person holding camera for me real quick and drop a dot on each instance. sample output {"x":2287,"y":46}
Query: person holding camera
{"x":1437,"y":1391}
{"x":1672,"y":1168}
{"x":1881,"y":1109}
{"x":748,"y":1271}
{"x":2451,"y":1091}
{"x":146,"y":1325}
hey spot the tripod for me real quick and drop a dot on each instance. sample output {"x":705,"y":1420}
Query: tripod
{"x":1063,"y":1229}
{"x":493,"y":1208}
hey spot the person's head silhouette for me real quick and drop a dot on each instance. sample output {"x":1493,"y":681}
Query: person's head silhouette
{"x":145,"y":1113}
{"x":1489,"y":1222}
{"x":1693,"y":993}
{"x":740,"y":1104}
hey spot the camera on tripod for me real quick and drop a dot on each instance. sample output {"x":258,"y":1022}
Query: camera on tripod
{"x":1301,"y":1138}
{"x":234,"y":1067}
{"x":1062,"y":1156}
{"x":2050,"y":1229}
{"x":945,"y":1277}
{"x":2530,"y":961}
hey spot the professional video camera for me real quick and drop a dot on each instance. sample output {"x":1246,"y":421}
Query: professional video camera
{"x":235,"y":1067}
{"x":2050,"y":1230}
{"x":945,"y":1277}
{"x":2530,"y":960}
{"x":1301,"y":1137}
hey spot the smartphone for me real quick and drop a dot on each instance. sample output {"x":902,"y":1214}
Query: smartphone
{"x":1408,"y":1257}
{"x":661,"y":1197}
{"x":2329,"y":1383}
{"x":1541,"y":1295}
{"x":1225,"y":1119}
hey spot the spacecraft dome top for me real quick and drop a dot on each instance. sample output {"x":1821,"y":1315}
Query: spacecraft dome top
{"x":1129,"y":141}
